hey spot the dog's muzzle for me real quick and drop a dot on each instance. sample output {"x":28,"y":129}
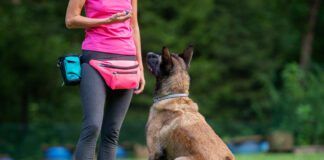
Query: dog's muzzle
{"x":153,"y":62}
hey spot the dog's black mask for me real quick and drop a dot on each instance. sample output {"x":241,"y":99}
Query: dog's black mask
{"x":153,"y":63}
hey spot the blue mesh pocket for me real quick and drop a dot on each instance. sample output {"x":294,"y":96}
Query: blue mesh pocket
{"x":70,"y":69}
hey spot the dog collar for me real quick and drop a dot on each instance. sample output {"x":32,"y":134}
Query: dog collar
{"x":176,"y":95}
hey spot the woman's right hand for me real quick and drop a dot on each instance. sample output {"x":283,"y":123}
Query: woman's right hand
{"x":119,"y":17}
{"x":74,"y":19}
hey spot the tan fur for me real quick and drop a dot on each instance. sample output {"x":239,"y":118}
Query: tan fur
{"x":176,"y":126}
{"x":176,"y":83}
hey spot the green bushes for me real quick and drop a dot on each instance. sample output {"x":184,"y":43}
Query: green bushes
{"x":241,"y":48}
{"x":298,"y":105}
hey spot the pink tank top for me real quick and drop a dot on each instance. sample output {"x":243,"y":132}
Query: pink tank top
{"x":110,"y":38}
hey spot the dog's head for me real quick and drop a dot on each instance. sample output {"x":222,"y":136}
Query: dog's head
{"x":170,"y":70}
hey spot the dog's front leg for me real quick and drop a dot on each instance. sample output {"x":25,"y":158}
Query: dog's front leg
{"x":159,"y":155}
{"x":155,"y":149}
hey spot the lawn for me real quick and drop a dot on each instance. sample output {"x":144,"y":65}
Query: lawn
{"x":281,"y":157}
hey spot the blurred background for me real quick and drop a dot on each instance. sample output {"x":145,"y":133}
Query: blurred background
{"x":257,"y":75}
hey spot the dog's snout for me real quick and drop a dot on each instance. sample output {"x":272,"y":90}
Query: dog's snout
{"x":153,"y":61}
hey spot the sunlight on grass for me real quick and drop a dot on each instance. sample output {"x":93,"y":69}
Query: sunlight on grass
{"x":281,"y":157}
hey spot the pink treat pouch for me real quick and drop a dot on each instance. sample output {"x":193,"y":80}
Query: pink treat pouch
{"x":118,"y":74}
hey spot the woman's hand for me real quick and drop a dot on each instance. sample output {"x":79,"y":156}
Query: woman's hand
{"x":119,"y":17}
{"x":141,"y":84}
{"x":74,"y":19}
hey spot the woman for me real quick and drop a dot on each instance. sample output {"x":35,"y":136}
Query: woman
{"x":112,"y":31}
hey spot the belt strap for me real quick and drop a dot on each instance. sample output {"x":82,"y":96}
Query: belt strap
{"x":88,"y":55}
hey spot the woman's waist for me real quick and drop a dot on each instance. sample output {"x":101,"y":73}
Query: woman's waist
{"x":87,"y":55}
{"x":109,"y":32}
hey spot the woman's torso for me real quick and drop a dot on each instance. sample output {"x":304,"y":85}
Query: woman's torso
{"x":110,"y":38}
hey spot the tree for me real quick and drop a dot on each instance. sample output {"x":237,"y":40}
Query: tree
{"x":307,"y":43}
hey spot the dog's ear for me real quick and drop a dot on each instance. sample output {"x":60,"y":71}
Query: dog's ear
{"x":166,"y":56}
{"x":187,"y":55}
{"x":166,"y":59}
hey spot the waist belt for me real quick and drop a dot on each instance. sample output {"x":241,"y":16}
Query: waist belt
{"x":89,"y":55}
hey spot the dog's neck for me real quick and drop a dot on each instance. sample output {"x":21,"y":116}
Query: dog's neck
{"x":184,"y":104}
{"x":166,"y":93}
{"x":178,"y":84}
{"x":170,"y":96}
{"x":168,"y":89}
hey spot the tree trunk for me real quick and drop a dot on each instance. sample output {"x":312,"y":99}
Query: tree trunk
{"x":307,"y":42}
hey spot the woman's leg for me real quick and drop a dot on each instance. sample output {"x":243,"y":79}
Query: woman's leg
{"x":118,"y":102}
{"x":93,"y":96}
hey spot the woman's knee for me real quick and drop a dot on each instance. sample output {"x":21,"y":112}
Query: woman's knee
{"x":90,"y":132}
{"x":111,"y":136}
{"x":94,"y":129}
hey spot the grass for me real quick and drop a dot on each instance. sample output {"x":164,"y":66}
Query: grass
{"x":318,"y":156}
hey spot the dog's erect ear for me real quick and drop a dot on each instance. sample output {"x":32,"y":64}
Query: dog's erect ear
{"x":166,"y":54}
{"x":187,"y":55}
{"x":166,"y":59}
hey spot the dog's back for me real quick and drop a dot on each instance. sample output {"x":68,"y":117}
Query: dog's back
{"x":175,"y":129}
{"x":184,"y":132}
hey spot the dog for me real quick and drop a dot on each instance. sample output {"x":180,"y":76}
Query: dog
{"x":175,"y":129}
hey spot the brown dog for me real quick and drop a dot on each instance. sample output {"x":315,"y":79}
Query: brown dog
{"x":175,"y":128}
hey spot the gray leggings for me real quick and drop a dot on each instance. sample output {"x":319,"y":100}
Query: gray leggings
{"x":95,"y":95}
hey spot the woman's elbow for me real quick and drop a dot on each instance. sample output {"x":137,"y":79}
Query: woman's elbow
{"x":69,"y":23}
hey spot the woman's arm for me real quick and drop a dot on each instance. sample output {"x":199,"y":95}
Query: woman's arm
{"x":137,"y":40}
{"x":74,"y":19}
{"x":136,"y":33}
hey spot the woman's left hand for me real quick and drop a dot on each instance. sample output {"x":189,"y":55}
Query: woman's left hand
{"x":141,"y":84}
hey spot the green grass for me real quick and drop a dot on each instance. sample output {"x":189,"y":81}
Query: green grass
{"x":281,"y":157}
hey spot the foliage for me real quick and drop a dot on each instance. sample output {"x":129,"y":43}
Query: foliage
{"x":241,"y":50}
{"x":298,"y":105}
